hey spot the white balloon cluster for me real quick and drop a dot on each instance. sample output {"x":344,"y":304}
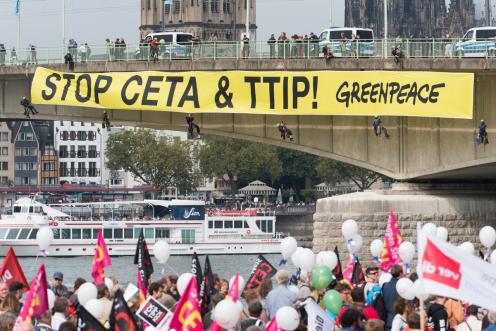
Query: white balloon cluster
{"x":86,"y":292}
{"x":302,"y":258}
{"x":407,"y":252}
{"x":354,"y":241}
{"x":95,"y":307}
{"x":376,"y":247}
{"x":288,"y":247}
{"x":327,"y":258}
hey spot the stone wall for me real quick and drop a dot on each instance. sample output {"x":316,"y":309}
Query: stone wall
{"x":298,"y":226}
{"x":462,"y":214}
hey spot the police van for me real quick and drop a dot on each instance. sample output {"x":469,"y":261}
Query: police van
{"x":344,"y":42}
{"x":477,"y":42}
{"x":175,"y":43}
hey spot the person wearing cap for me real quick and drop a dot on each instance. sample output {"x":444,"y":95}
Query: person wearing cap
{"x":371,"y":279}
{"x":57,"y":287}
{"x":16,"y":288}
{"x":280,"y":296}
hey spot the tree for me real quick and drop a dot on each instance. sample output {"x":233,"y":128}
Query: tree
{"x":152,"y":159}
{"x":298,"y":169}
{"x":333,"y":172}
{"x":241,"y":161}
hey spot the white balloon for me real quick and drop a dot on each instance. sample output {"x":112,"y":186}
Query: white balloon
{"x":295,"y":258}
{"x":349,"y":229}
{"x":405,"y":288}
{"x":287,"y":318}
{"x":44,"y":237}
{"x":418,"y":289}
{"x":109,"y":283}
{"x":407,"y":251}
{"x":442,"y":233}
{"x":493,"y":257}
{"x":161,"y":250}
{"x":467,"y":247}
{"x":376,"y":247}
{"x":307,"y":259}
{"x":241,"y":283}
{"x":183,"y":281}
{"x":288,"y":247}
{"x":385,"y":278}
{"x":355,"y":243}
{"x":95,"y":307}
{"x":240,"y":306}
{"x":86,"y":292}
{"x":227,"y":314}
{"x":51,"y":298}
{"x":487,"y":236}
{"x":327,"y":258}
{"x":429,"y":229}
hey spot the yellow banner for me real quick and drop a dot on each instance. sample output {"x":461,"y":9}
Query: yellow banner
{"x":394,"y":93}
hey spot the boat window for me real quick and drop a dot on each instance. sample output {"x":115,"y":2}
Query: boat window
{"x":238,"y":224}
{"x":17,"y":209}
{"x":118,"y":233}
{"x":136,"y":232}
{"x":31,"y":209}
{"x":148,"y":233}
{"x":128,"y":233}
{"x":56,"y":233}
{"x":258,"y":224}
{"x":12,"y":233}
{"x":107,"y":233}
{"x":218,"y":225}
{"x":24,"y":209}
{"x":66,"y":233}
{"x":86,"y":233}
{"x":188,"y":236}
{"x":228,"y":224}
{"x":3,"y":232}
{"x":24,"y":233}
{"x":269,"y":226}
{"x":162,"y":233}
{"x":245,"y":225}
{"x":95,"y":233}
{"x":76,"y":233}
{"x":210,"y":224}
{"x":32,"y":235}
{"x":264,"y":226}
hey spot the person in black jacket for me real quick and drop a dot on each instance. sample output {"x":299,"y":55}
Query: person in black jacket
{"x":437,"y":314}
{"x":390,"y":294}
{"x":255,"y":310}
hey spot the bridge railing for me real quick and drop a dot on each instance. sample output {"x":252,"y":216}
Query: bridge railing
{"x":407,"y":48}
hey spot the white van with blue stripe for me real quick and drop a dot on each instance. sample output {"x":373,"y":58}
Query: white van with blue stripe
{"x":348,"y":42}
{"x":477,"y":42}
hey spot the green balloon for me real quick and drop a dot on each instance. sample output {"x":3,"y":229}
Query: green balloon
{"x":322,"y":277}
{"x":333,"y":301}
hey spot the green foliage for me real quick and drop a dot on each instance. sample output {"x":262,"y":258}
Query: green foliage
{"x":309,"y":194}
{"x":243,"y":160}
{"x":333,"y":172}
{"x":152,"y":159}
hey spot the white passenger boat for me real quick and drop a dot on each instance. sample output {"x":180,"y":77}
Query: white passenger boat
{"x":183,"y":223}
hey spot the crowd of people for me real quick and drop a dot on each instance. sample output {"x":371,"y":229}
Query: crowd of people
{"x":367,"y":306}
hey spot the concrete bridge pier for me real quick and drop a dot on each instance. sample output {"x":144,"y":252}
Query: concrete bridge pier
{"x":463,"y":209}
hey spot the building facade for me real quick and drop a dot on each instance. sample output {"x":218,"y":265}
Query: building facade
{"x":207,"y":19}
{"x":412,"y":18}
{"x":79,"y":147}
{"x":6,"y":155}
{"x":26,"y":162}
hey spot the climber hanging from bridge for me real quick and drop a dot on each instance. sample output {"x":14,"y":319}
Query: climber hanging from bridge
{"x":28,"y":107}
{"x":482,"y":134}
{"x":106,"y":121}
{"x":378,"y":128}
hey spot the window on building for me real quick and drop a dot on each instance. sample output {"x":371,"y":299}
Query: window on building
{"x":64,"y":135}
{"x":5,"y":151}
{"x":72,"y":135}
{"x":61,"y":123}
{"x":176,"y":4}
{"x":81,"y":135}
{"x":92,"y":153}
{"x":214,"y":6}
{"x":33,"y":151}
{"x":166,"y":9}
{"x":4,"y":165}
{"x":91,"y":135}
{"x":33,"y":180}
{"x":4,"y":136}
{"x":49,"y":166}
{"x":81,"y":153}
{"x":205,"y":7}
{"x":29,"y":136}
{"x":25,"y":124}
{"x":226,"y":7}
{"x":4,"y":180}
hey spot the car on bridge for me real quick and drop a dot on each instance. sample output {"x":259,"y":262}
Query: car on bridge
{"x":348,"y":42}
{"x":477,"y":42}
{"x":175,"y":44}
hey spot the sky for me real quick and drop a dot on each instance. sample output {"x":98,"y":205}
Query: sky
{"x":92,"y":21}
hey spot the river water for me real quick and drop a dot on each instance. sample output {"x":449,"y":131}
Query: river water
{"x":125,"y":271}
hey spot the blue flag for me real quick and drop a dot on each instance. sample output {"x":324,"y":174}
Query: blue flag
{"x":18,"y":7}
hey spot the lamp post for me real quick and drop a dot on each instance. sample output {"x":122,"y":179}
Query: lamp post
{"x":247,"y":18}
{"x":385,"y":28}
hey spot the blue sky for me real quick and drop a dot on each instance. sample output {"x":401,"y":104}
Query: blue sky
{"x":94,"y":20}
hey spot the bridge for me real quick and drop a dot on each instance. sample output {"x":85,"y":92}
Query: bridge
{"x":420,"y":149}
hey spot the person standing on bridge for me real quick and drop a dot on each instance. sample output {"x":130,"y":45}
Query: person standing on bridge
{"x":482,"y":135}
{"x":3,"y":52}
{"x":32,"y":49}
{"x":272,"y":45}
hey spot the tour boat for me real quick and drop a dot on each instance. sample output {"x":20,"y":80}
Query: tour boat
{"x":185,"y":224}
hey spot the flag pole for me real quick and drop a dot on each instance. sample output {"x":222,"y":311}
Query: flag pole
{"x":18,"y":29}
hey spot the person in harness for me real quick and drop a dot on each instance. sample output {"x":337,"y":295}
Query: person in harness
{"x":105,"y":121}
{"x":28,"y":107}
{"x":191,"y":125}
{"x":482,"y":134}
{"x":378,"y":128}
{"x":285,"y":131}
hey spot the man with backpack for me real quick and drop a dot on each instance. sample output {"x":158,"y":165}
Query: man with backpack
{"x":390,"y":294}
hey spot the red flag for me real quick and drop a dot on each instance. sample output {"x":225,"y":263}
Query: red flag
{"x":392,"y":241}
{"x":187,"y":315}
{"x":37,"y":300}
{"x":11,"y":270}
{"x":234,"y":290}
{"x":100,"y":261}
{"x":272,"y":326}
